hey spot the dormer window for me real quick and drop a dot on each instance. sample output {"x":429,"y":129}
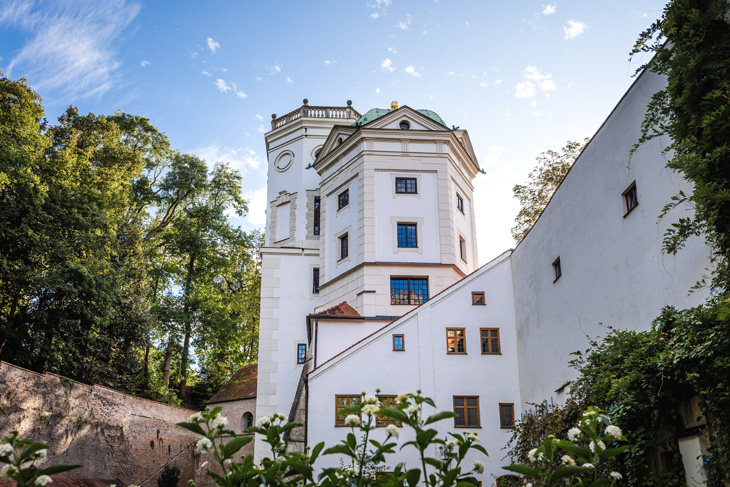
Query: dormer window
{"x":404,"y":125}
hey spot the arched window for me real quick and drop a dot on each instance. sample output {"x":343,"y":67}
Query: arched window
{"x":247,"y":421}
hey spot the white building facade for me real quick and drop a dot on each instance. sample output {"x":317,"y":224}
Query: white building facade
{"x":370,"y":277}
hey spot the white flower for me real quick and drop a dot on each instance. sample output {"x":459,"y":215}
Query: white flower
{"x":195,"y":417}
{"x":573,"y":434}
{"x":616,"y":475}
{"x":613,"y":431}
{"x":42,"y":480}
{"x":203,"y":444}
{"x":352,"y":420}
{"x":41,"y":455}
{"x":219,"y":422}
{"x":401,"y":398}
{"x":478,"y":466}
{"x":392,"y":430}
{"x":593,"y":445}
{"x":263,"y":421}
{"x":473,"y":437}
{"x":369,"y":409}
{"x":412,"y":409}
{"x":204,"y":464}
{"x":227,"y":461}
{"x":450,"y":445}
{"x":588,"y":465}
{"x":7,"y":472}
{"x":370,"y":400}
{"x":589,"y":414}
{"x":528,"y":484}
{"x":532,"y":454}
{"x":567,"y":460}
{"x":5,"y":449}
{"x":602,"y":445}
{"x":350,"y":471}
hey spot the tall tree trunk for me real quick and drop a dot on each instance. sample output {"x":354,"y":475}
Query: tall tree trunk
{"x":168,"y":359}
{"x":188,"y":325}
{"x":146,"y":377}
{"x":9,"y":323}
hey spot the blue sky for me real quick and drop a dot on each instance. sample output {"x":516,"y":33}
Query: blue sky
{"x":522,"y":77}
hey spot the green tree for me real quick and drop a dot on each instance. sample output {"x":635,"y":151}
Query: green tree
{"x":542,"y":182}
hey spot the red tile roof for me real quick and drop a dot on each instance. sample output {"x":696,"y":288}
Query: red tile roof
{"x":342,"y":310}
{"x":242,"y":385}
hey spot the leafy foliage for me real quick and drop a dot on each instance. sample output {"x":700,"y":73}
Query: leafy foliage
{"x":169,"y":477}
{"x":542,"y":182}
{"x":22,"y":459}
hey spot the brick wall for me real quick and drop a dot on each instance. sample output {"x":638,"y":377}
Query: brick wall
{"x":113,"y":435}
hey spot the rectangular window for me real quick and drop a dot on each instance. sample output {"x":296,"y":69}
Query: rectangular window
{"x":406,"y":185}
{"x":343,"y":199}
{"x":467,"y":411}
{"x":631,"y":198}
{"x":387,"y":402}
{"x":557,"y":271}
{"x":342,"y":402}
{"x":477,"y":297}
{"x":408,"y":291}
{"x":460,"y":202}
{"x":490,"y":340}
{"x":301,"y":353}
{"x":462,"y":249}
{"x":315,"y":280}
{"x":344,"y":246}
{"x":407,"y":236}
{"x":506,"y":415}
{"x":399,"y":343}
{"x":455,"y":340}
{"x":316,"y":215}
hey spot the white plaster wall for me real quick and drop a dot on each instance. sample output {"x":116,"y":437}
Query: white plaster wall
{"x":421,"y":208}
{"x":613,"y":270}
{"x":339,"y":221}
{"x":335,"y":336}
{"x":463,"y":224}
{"x":425,"y":365}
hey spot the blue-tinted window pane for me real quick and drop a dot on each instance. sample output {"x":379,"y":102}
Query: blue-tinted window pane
{"x":399,"y":291}
{"x":407,"y":236}
{"x":397,"y":342}
{"x":406,"y":185}
{"x":418,"y":291}
{"x":408,"y":291}
{"x":301,"y":353}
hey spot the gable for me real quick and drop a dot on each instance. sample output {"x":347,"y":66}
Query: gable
{"x":416,"y":120}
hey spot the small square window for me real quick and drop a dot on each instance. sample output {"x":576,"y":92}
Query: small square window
{"x":406,"y":185}
{"x":301,"y":353}
{"x":407,"y":235}
{"x":343,"y":199}
{"x":506,"y":415}
{"x":462,"y":249}
{"x":477,"y":297}
{"x":557,"y":271}
{"x":344,"y":246}
{"x":460,"y":202}
{"x":467,"y":411}
{"x":455,"y":340}
{"x":490,"y":340}
{"x":631,"y":198}
{"x":342,"y":402}
{"x":399,"y":344}
{"x":315,"y":280}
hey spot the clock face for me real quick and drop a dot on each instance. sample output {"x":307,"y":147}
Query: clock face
{"x":284,"y":161}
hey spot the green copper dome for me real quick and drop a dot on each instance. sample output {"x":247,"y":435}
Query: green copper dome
{"x":375,"y":113}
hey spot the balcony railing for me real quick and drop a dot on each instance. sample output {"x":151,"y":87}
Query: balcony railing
{"x":305,"y":111}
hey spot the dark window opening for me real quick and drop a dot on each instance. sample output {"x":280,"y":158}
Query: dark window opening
{"x":455,"y":340}
{"x":477,"y":297}
{"x":247,"y":421}
{"x":462,"y":249}
{"x":343,"y":199}
{"x":631,"y":198}
{"x":460,"y":202}
{"x":344,"y":246}
{"x":316,"y":215}
{"x":315,"y":280}
{"x":467,"y":411}
{"x":407,"y":235}
{"x":490,"y":340}
{"x":406,"y":185}
{"x":507,"y":415}
{"x":557,"y":271}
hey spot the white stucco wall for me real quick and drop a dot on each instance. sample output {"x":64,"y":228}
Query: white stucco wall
{"x":614,"y":272}
{"x":425,"y":365}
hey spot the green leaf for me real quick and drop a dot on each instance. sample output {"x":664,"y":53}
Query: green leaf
{"x":194,"y":427}
{"x":434,"y":463}
{"x":567,"y":471}
{"x":440,"y":416}
{"x":393,"y":413}
{"x":576,"y":450}
{"x":33,"y":448}
{"x":235,"y":444}
{"x":413,"y":476}
{"x":613,"y":452}
{"x":525,"y":470}
{"x":316,"y":450}
{"x":424,"y":437}
{"x":54,"y":469}
{"x":339,"y":449}
{"x":479,"y":448}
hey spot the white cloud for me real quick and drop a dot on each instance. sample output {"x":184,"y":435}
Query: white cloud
{"x":260,"y":118}
{"x":405,"y":24}
{"x":387,"y":65}
{"x":242,"y":159}
{"x":212,"y":44}
{"x":483,"y":84}
{"x":377,"y":91}
{"x":549,"y":9}
{"x":548,"y":85}
{"x":375,"y":15}
{"x":329,"y":62}
{"x":204,"y":72}
{"x":194,"y":54}
{"x":498,"y":82}
{"x":525,"y":90}
{"x":492,"y":156}
{"x":573,"y":29}
{"x":144,"y":63}
{"x":289,"y":80}
{"x":468,"y":24}
{"x":277,"y":68}
{"x":224,"y":87}
{"x":543,"y":81}
{"x":70,"y":49}
{"x":533,"y":103}
{"x":262,"y":130}
{"x":392,"y":49}
{"x":412,"y":71}
{"x":256,"y":206}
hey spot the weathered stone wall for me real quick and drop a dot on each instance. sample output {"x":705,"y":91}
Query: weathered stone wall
{"x":234,"y":411}
{"x":113,"y":435}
